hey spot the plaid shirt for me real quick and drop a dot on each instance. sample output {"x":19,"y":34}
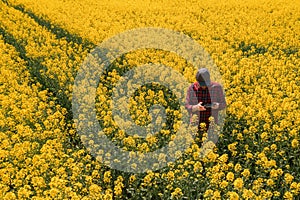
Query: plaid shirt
{"x":212,"y":93}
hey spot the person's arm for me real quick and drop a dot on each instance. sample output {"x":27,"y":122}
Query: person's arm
{"x":188,"y":103}
{"x":220,"y":98}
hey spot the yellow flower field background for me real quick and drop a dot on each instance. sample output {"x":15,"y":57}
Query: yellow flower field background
{"x":255,"y":45}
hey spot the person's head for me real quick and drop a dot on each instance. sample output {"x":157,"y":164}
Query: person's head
{"x":203,"y":77}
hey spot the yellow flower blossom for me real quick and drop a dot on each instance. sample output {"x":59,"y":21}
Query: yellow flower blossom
{"x":238,"y":183}
{"x":288,"y":178}
{"x":230,"y":176}
{"x":177,"y":193}
{"x":233,"y":195}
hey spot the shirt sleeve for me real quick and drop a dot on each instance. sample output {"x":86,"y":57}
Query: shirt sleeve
{"x":188,"y":101}
{"x":221,"y":98}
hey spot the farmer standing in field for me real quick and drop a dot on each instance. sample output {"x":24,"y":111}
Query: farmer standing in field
{"x":204,"y":98}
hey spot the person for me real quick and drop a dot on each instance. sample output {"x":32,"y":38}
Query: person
{"x":205,"y":98}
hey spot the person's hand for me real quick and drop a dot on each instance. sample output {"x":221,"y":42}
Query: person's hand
{"x":215,"y":105}
{"x":198,"y":107}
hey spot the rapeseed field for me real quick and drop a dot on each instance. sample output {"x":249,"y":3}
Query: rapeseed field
{"x":255,"y":46}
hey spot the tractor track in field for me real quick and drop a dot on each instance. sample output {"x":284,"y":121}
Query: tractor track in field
{"x":35,"y":66}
